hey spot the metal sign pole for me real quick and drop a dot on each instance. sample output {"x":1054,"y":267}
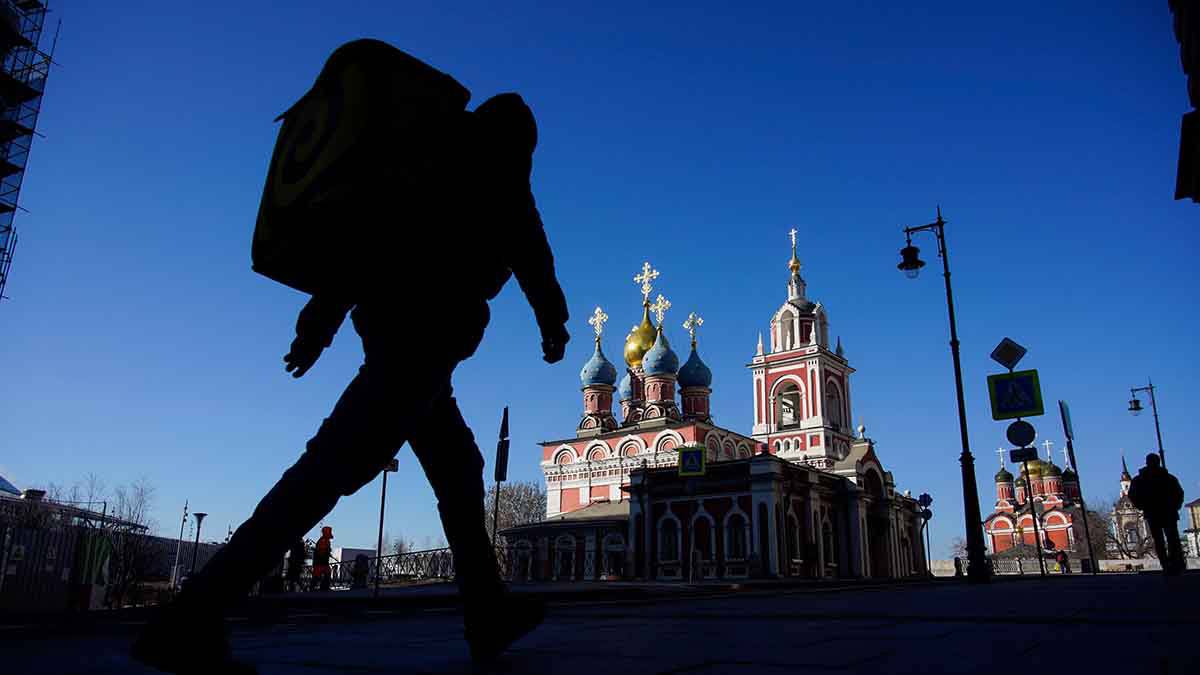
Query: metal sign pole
{"x":1037,"y":536}
{"x":1069,"y":430}
{"x":379,"y":541}
{"x":1087,"y":530}
{"x":500,"y":475}
{"x":928,"y":551}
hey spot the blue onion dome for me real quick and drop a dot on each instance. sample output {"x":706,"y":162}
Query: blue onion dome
{"x":661,"y":359}
{"x":625,"y":389}
{"x":598,"y":370}
{"x":1003,"y":476}
{"x":694,"y":373}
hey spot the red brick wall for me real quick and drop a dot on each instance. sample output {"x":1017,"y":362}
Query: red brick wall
{"x":568,"y":500}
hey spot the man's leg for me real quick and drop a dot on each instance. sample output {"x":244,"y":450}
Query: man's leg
{"x":1160,"y":546}
{"x":366,"y":428}
{"x":1174,"y":548}
{"x":446,"y":449}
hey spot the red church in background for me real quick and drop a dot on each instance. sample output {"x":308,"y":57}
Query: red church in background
{"x":800,"y":496}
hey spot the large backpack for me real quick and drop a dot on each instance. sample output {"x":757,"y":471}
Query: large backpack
{"x":352,"y":168}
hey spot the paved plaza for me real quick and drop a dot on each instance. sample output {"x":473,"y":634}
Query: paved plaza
{"x":1129,"y":624}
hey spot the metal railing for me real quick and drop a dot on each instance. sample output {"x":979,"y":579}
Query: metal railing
{"x":411,"y":566}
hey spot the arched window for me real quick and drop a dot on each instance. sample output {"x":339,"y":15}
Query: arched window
{"x":613,"y":560}
{"x":1131,"y":534}
{"x":794,"y":550}
{"x":668,"y":540}
{"x":564,"y":553}
{"x":702,"y":538}
{"x":787,"y":331}
{"x":735,"y":537}
{"x":829,"y":542}
{"x":833,"y":406}
{"x":789,"y":401}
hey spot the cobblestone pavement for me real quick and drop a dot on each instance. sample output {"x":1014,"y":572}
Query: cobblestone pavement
{"x":1130,"y":624}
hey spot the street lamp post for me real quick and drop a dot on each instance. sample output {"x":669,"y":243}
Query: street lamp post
{"x":1135,"y":407}
{"x":911,"y":265}
{"x":196,"y":546}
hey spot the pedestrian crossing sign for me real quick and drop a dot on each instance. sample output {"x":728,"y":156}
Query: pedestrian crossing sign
{"x":691,"y":461}
{"x":1017,"y":394}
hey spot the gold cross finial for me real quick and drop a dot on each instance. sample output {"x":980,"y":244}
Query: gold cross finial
{"x":693,"y":322}
{"x":794,"y":263}
{"x":660,"y":307}
{"x":648,"y":274}
{"x":597,"y":321}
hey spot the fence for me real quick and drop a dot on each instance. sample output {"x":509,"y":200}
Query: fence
{"x":430,"y":565}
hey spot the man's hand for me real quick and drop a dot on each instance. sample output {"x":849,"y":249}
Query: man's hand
{"x":554,"y":343}
{"x":304,"y":353}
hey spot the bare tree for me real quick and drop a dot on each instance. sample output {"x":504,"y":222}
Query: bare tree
{"x":131,"y":544}
{"x":1110,"y":543}
{"x":397,"y":545}
{"x":958,"y":547}
{"x":521,"y":503}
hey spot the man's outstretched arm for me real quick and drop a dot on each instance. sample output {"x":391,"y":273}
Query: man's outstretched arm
{"x":533,"y":265}
{"x":315,"y":327}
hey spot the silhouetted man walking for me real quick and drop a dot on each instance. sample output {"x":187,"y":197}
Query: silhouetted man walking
{"x":471,"y":226}
{"x":1159,"y":496}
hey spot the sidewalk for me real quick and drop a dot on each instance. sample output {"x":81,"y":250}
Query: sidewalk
{"x":1130,"y":624}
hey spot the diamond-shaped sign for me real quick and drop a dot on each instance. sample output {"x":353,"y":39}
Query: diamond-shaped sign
{"x":1008,"y":353}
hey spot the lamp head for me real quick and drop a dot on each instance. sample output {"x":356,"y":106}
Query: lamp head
{"x":1135,"y":405}
{"x":910,"y":261}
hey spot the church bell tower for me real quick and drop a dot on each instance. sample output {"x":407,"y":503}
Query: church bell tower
{"x":802,"y":386}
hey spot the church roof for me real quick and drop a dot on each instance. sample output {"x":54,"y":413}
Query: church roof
{"x":694,"y":372}
{"x":598,"y":369}
{"x":8,"y":488}
{"x":596,"y":511}
{"x":661,"y":359}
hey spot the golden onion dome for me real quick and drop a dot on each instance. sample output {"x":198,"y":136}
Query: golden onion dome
{"x":1036,"y":468}
{"x":640,"y":339}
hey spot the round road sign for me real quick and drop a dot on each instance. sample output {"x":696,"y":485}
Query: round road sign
{"x":1021,"y":433}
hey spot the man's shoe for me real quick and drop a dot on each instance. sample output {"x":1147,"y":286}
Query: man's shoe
{"x":493,"y":628}
{"x":188,"y":645}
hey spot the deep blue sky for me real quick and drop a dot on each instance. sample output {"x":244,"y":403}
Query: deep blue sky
{"x":138,"y":341}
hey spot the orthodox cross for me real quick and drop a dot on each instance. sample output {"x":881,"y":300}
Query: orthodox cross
{"x":660,"y":307}
{"x":1047,"y":445}
{"x":597,"y":321}
{"x":648,"y":274}
{"x":693,"y":322}
{"x":1001,"y":452}
{"x":792,"y":233}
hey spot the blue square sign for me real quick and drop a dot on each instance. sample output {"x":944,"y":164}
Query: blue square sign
{"x":1015,"y":395}
{"x":691,"y":461}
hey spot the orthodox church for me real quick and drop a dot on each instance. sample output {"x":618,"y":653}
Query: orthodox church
{"x":1041,"y":487}
{"x":1131,"y":533}
{"x":800,"y":496}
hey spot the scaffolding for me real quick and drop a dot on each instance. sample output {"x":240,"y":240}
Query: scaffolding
{"x":23,"y":72}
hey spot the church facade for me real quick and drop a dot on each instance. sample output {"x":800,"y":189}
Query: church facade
{"x":1041,"y":490}
{"x":800,"y":496}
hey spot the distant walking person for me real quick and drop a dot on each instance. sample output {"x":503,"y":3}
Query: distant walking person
{"x":386,"y":196}
{"x":321,"y":553}
{"x":1159,"y":496}
{"x":1064,"y":562}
